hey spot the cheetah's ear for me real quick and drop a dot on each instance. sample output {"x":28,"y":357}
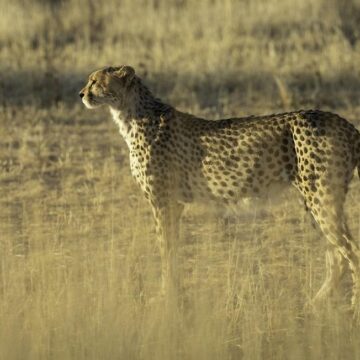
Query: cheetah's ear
{"x":124,"y":72}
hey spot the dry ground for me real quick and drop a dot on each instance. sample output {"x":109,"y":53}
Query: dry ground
{"x":78,"y":259}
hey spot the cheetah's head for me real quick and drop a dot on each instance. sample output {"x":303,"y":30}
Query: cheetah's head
{"x":107,"y":86}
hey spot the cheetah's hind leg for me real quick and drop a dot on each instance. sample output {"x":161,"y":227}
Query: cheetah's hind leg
{"x":328,"y":213}
{"x":336,"y":266}
{"x":326,"y":201}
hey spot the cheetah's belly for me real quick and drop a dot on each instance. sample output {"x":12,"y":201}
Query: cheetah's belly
{"x":230,"y":183}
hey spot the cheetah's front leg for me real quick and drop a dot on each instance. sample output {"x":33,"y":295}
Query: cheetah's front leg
{"x":167,"y":219}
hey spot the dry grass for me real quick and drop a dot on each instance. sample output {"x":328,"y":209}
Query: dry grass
{"x":78,"y":259}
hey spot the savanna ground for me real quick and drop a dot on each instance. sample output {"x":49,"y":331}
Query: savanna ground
{"x":78,"y":258}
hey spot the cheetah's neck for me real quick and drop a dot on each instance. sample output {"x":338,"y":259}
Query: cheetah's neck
{"x":123,"y":121}
{"x":143,"y":111}
{"x":145,"y":104}
{"x":132,"y":128}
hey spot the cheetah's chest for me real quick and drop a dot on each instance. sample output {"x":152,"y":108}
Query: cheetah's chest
{"x":138,"y":166}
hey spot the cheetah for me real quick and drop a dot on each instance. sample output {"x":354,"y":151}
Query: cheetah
{"x":177,"y":159}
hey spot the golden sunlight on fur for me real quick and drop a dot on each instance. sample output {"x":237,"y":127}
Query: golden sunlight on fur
{"x":178,"y":159}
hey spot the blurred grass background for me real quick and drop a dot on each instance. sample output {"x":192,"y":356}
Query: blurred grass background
{"x":278,"y":54}
{"x":78,"y":259}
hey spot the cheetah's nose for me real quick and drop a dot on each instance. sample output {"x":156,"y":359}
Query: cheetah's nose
{"x":81,"y":94}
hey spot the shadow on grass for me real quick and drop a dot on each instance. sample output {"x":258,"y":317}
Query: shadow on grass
{"x":203,"y":90}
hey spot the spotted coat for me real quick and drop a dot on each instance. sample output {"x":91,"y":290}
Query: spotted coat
{"x":177,"y":158}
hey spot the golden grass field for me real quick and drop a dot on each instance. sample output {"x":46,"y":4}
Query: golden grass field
{"x":78,"y":257}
